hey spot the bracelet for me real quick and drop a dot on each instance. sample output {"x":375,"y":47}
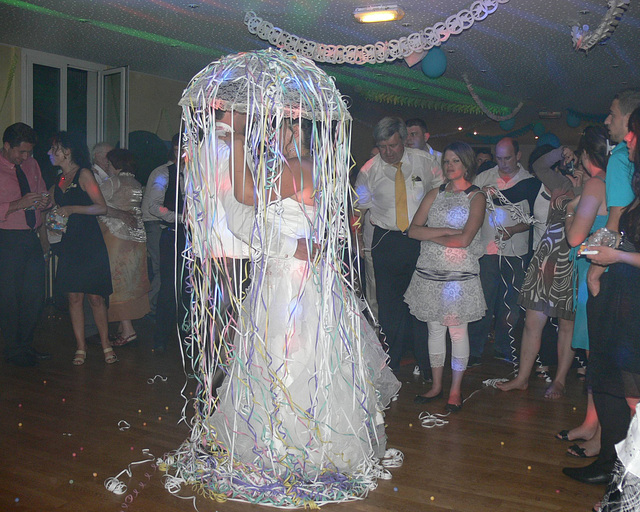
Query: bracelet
{"x":569,"y":215}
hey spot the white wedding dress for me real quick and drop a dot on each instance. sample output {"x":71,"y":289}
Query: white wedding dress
{"x":299,"y":413}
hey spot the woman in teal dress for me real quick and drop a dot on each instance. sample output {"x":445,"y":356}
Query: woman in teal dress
{"x":585,"y":215}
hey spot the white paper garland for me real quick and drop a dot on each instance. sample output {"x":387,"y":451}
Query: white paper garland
{"x":382,"y":51}
{"x":584,"y":40}
{"x":482,"y":106}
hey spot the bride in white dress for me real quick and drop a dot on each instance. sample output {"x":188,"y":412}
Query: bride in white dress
{"x":298,"y":419}
{"x":303,"y":397}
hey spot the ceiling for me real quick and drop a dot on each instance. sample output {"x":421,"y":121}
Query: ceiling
{"x":521,"y":52}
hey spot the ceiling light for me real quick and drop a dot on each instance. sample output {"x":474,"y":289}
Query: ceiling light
{"x":459,"y":128}
{"x":378,"y":13}
{"x":475,"y":132}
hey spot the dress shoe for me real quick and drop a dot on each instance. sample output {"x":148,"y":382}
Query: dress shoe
{"x":594,"y":473}
{"x":419,"y":399}
{"x":454,"y":407}
{"x":40,"y":356}
{"x":25,"y":359}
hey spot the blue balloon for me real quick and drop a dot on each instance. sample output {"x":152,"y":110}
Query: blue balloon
{"x":435,"y":63}
{"x":549,"y":138}
{"x":539,"y":129}
{"x":508,"y":124}
{"x":573,"y":119}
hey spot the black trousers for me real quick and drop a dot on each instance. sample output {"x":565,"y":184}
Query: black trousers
{"x":172,"y":279}
{"x":605,"y":377}
{"x":394,"y":262}
{"x":22,"y":272}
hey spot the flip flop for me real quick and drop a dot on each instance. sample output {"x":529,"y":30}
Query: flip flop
{"x":121,"y":341}
{"x":109,"y":356}
{"x":579,"y":452}
{"x":79,"y":358}
{"x":563,"y":435}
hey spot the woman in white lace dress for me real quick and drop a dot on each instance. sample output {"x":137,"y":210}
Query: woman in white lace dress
{"x":445,"y":290}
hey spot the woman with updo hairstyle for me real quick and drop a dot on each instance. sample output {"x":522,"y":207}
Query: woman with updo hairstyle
{"x":586,"y":214}
{"x":125,"y":237}
{"x":445,"y":290}
{"x":83,"y":263}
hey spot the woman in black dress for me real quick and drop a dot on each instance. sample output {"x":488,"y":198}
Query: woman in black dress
{"x":83,"y":263}
{"x":618,"y":335}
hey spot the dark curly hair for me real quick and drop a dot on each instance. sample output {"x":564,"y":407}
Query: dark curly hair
{"x":75,"y":143}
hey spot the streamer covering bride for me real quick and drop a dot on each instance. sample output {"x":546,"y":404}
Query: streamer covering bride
{"x":298,"y":420}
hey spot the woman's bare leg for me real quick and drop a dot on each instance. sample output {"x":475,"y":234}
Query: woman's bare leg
{"x":76,"y":313}
{"x":565,"y":358}
{"x":531,"y":339}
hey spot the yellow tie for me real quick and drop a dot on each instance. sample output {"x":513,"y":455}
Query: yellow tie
{"x":402,"y":213}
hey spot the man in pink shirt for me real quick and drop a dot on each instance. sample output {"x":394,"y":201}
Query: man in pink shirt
{"x":23,"y":195}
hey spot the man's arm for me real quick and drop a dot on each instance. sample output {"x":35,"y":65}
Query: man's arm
{"x":155,"y":191}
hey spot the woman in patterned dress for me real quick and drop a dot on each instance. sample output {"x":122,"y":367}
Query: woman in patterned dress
{"x":445,"y":290}
{"x":547,"y":290}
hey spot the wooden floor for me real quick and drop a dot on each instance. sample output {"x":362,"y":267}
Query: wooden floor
{"x":59,"y":427}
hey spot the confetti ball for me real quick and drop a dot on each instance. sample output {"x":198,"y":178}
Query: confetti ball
{"x":529,"y":468}
{"x":501,"y":443}
{"x":190,"y":393}
{"x":159,"y":418}
{"x":557,"y":491}
{"x":166,"y":408}
{"x":144,"y":424}
{"x":17,"y":500}
{"x":95,"y":474}
{"x":575,"y":409}
{"x":74,"y":454}
{"x":410,"y":425}
{"x":132,"y":448}
{"x":64,"y":400}
{"x":433,"y":498}
{"x":71,"y":481}
{"x":81,"y":448}
{"x":20,"y":406}
{"x":395,"y":489}
{"x":139,"y":411}
{"x":19,"y":425}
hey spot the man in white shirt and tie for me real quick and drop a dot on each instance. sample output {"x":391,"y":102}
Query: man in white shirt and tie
{"x":391,"y":185}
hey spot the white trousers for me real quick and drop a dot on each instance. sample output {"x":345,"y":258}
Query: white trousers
{"x":459,"y":345}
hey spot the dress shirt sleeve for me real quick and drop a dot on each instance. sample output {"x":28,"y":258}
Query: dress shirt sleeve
{"x":4,"y":208}
{"x":156,"y":189}
{"x":363,"y":192}
{"x":438,"y":178}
